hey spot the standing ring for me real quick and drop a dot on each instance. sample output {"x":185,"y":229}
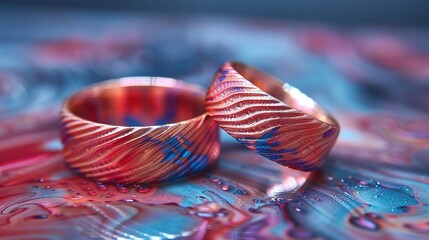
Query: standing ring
{"x":270,"y":117}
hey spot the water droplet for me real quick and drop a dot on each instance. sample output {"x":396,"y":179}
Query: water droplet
{"x":215,"y":180}
{"x":47,"y":187}
{"x":202,"y":214}
{"x":128,"y":200}
{"x":222,"y":213}
{"x":102,"y":187}
{"x":362,"y":182}
{"x":364,"y":223}
{"x":297,"y":209}
{"x":241,"y":192}
{"x":122,"y":189}
{"x":143,"y":189}
{"x":208,"y":210}
{"x":92,"y":193}
{"x":406,"y":189}
{"x":204,"y":199}
{"x":253,"y":210}
{"x":40,"y":216}
{"x":277,"y":200}
{"x":225,"y":187}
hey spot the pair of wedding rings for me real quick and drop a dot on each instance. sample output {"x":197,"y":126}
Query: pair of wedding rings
{"x":154,"y":130}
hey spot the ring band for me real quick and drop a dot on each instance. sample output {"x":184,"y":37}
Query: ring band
{"x":139,"y":130}
{"x":270,"y":117}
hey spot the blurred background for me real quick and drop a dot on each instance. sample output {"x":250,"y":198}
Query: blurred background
{"x":348,"y":12}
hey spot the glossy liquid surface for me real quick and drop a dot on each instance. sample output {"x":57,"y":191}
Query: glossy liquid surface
{"x":373,"y":186}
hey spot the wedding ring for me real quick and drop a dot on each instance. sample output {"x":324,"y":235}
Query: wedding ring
{"x":271,"y":117}
{"x":139,"y":130}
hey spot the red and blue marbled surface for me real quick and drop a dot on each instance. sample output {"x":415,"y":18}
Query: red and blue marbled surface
{"x":374,"y":184}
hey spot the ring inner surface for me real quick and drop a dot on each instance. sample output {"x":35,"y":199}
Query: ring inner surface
{"x":137,"y":105}
{"x":283,"y":92}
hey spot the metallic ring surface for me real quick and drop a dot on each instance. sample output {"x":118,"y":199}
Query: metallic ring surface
{"x":270,"y":117}
{"x":139,"y":130}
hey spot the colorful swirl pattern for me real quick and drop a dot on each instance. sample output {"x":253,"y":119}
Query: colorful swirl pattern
{"x":126,"y":151}
{"x":280,"y":123}
{"x":373,"y":185}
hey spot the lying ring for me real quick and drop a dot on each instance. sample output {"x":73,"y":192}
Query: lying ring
{"x":139,"y":130}
{"x":270,"y":117}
